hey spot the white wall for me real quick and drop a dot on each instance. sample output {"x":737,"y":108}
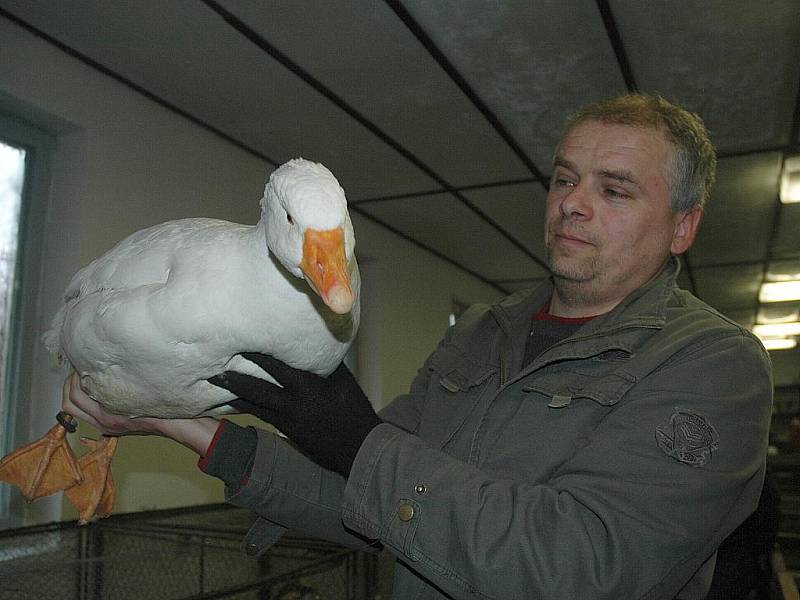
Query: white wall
{"x":122,"y":163}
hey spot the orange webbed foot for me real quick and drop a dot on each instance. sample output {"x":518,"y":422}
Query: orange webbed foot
{"x":94,"y":496}
{"x":43,"y":467}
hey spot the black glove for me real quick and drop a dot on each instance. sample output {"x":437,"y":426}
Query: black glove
{"x":328,"y":418}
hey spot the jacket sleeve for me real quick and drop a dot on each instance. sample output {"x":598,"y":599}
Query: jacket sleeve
{"x":289,"y":491}
{"x":620,"y":518}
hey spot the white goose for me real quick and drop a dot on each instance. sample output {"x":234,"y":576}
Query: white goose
{"x":170,"y":306}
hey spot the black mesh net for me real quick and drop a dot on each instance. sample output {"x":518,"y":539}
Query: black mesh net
{"x":193,"y":553}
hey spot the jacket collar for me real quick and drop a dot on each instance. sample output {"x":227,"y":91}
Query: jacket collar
{"x":644,"y":308}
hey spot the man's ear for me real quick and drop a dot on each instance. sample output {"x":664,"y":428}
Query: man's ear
{"x":686,"y":227}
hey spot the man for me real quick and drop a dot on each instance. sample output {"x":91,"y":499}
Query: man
{"x":597,"y":437}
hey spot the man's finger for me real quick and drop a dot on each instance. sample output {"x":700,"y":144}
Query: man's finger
{"x":255,"y":390}
{"x":244,"y":407}
{"x":283,"y":373}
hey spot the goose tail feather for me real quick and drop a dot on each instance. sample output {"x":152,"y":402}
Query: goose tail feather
{"x":52,"y":337}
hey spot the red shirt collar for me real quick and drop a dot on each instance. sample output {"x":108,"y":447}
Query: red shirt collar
{"x":543,"y":314}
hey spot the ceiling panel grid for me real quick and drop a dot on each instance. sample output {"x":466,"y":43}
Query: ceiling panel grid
{"x":363,"y":53}
{"x":406,"y":99}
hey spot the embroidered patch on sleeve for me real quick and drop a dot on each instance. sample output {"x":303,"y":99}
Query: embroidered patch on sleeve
{"x":688,"y":437}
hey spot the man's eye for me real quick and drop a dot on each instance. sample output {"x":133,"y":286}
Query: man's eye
{"x":561,"y":182}
{"x":616,"y":194}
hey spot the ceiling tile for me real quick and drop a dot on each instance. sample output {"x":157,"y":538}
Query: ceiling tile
{"x":366,"y":55}
{"x":735,"y":62}
{"x":186,"y":54}
{"x":739,"y":215}
{"x":447,"y":225}
{"x":532,"y":63}
{"x":519,"y":209}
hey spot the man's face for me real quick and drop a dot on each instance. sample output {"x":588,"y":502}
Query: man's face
{"x":609,"y":225}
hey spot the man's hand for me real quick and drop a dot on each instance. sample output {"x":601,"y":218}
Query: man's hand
{"x":328,"y":418}
{"x":195,"y":434}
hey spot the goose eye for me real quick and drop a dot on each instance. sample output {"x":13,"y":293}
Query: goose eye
{"x":289,"y":218}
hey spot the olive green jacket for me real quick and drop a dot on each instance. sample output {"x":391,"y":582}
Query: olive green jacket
{"x":610,"y":467}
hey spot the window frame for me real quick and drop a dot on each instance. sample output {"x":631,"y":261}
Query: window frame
{"x":23,"y":331}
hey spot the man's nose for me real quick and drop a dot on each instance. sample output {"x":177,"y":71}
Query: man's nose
{"x":577,"y":204}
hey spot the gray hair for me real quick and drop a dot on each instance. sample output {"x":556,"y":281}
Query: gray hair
{"x":693,"y":169}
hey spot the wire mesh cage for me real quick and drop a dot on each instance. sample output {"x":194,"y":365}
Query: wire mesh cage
{"x":179,"y":554}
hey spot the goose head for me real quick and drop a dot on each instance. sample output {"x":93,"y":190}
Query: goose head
{"x":309,"y":231}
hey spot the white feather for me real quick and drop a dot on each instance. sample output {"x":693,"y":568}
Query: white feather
{"x":170,"y":306}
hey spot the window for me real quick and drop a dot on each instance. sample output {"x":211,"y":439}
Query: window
{"x":12,"y":175}
{"x":25,"y":153}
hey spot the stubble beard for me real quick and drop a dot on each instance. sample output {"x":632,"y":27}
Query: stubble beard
{"x":571,"y":269}
{"x":576,"y":285}
{"x":575,"y":278}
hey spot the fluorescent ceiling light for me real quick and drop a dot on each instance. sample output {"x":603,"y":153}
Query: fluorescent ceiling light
{"x":790,"y":183}
{"x":784,"y":270}
{"x":778,"y":313}
{"x":777,"y":329}
{"x":790,"y":188}
{"x":779,"y":291}
{"x":779,"y":343}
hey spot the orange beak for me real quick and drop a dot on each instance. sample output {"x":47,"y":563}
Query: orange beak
{"x":325,"y":266}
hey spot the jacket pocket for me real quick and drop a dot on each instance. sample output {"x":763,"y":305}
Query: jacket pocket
{"x":456,"y":384}
{"x":457,"y":371}
{"x":602,"y":381}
